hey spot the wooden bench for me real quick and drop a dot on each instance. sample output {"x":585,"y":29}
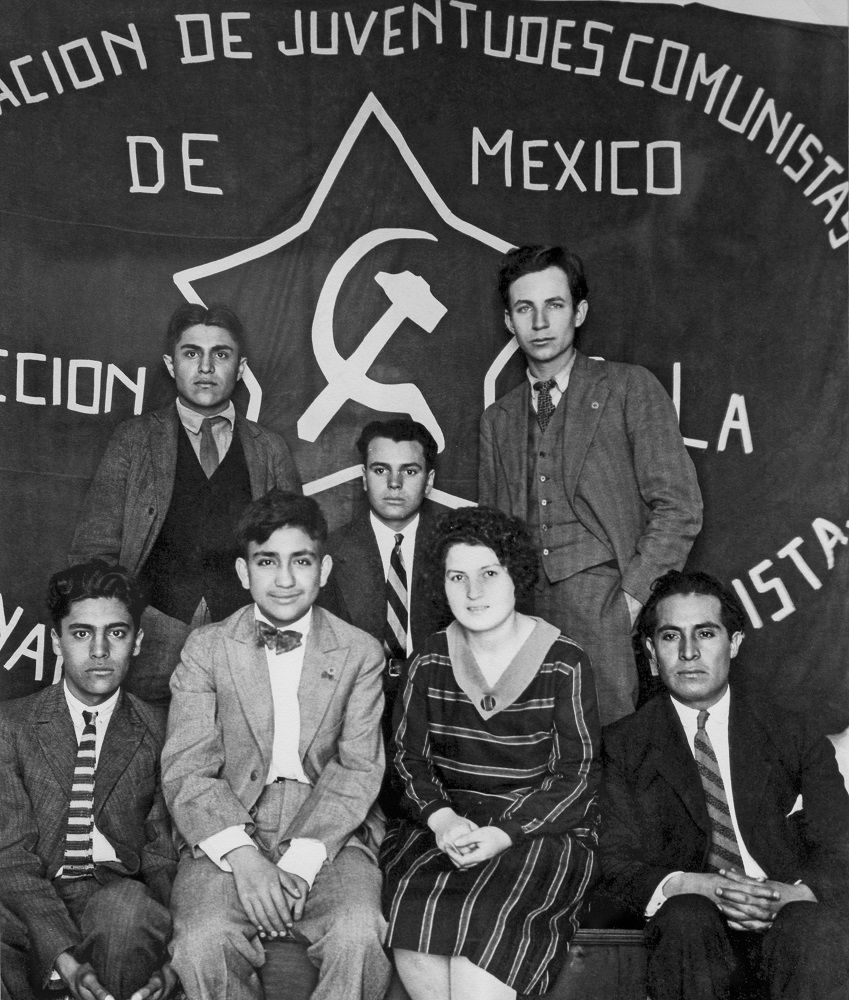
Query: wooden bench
{"x":603,"y":964}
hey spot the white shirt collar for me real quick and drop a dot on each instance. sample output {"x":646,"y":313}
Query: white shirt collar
{"x":386,"y":535}
{"x":561,"y":378}
{"x":192,"y":420}
{"x":717,"y":714}
{"x":77,"y":707}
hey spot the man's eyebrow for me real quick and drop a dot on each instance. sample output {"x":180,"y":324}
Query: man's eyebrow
{"x":678,"y":628}
{"x":93,"y":628}
{"x":214,"y":347}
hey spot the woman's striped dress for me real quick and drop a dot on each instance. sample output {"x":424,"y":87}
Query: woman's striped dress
{"x":521,"y":755}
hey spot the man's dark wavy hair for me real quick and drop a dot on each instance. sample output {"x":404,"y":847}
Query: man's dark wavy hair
{"x":192,"y":314}
{"x":280,"y":509}
{"x":400,"y":429}
{"x":507,"y":536}
{"x":524,"y":260}
{"x":676,"y":583}
{"x":93,"y":579}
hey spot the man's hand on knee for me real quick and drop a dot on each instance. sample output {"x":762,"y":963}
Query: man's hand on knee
{"x":260,"y":886}
{"x":160,"y":986}
{"x":753,"y":904}
{"x":81,"y":979}
{"x":297,"y":889}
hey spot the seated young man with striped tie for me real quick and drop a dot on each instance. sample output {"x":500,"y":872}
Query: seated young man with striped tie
{"x":725,"y":820}
{"x":86,"y":853}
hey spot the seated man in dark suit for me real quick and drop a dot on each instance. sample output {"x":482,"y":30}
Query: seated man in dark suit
{"x":271,"y":766}
{"x":86,"y":856}
{"x":171,"y":486}
{"x":725,"y":820}
{"x":376,"y":583}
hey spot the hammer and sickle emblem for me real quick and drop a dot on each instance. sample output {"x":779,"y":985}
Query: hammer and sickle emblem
{"x":409,"y":297}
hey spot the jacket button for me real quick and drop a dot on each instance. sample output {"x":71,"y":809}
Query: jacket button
{"x":545,"y":552}
{"x":151,"y":511}
{"x":253,"y":776}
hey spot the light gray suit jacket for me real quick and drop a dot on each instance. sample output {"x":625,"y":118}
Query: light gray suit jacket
{"x":625,"y":469}
{"x":128,"y":499}
{"x":221,"y":726}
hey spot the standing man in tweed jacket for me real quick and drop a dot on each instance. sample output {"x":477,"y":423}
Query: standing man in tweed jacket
{"x":589,"y":453}
{"x":171,"y":485}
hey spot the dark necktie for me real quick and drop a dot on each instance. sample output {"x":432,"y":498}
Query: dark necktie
{"x":545,"y":404}
{"x":724,"y":849}
{"x":279,"y":640}
{"x":78,"y":861}
{"x":395,"y":636}
{"x":208,"y":450}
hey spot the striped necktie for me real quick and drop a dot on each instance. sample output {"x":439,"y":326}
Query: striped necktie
{"x":724,"y":849}
{"x":395,"y":636}
{"x":78,"y":860}
{"x":545,"y":404}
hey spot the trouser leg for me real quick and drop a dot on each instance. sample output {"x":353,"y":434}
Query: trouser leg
{"x":805,"y":956}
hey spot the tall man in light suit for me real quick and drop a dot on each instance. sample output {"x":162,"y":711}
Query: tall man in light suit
{"x":399,"y":458}
{"x":171,"y":485}
{"x":726,"y":820}
{"x":589,"y":453}
{"x":272,"y":762}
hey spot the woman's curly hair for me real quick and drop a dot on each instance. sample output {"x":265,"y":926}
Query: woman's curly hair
{"x":507,"y":536}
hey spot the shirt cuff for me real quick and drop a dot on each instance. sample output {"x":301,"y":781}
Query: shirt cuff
{"x":221,"y":843}
{"x":304,"y":857}
{"x":657,"y":898}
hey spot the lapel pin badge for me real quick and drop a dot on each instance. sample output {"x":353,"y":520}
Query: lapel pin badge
{"x":594,"y":404}
{"x":329,"y":673}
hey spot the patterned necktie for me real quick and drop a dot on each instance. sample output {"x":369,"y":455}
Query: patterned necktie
{"x":545,"y":404}
{"x":208,"y":449}
{"x":724,"y":850}
{"x":78,"y":861}
{"x":395,"y":636}
{"x":279,"y":640}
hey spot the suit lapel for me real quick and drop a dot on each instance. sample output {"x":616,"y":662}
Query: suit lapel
{"x":256,"y":463}
{"x":248,"y":668}
{"x":324,"y":661}
{"x":514,"y":452}
{"x":751,"y":765}
{"x":123,"y":736}
{"x":362,"y":581}
{"x":586,"y":399}
{"x":677,"y":765}
{"x":163,"y":447}
{"x":57,"y":738}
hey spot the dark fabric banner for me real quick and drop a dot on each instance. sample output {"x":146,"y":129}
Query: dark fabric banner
{"x":347,"y":176}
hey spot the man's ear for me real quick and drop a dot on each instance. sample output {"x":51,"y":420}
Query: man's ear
{"x":241,"y":369}
{"x":652,"y":655}
{"x":242,"y":572}
{"x":736,"y":641}
{"x":581,"y":312}
{"x":508,"y":322}
{"x":429,"y":486}
{"x":326,"y":567}
{"x":54,"y":640}
{"x":365,"y":483}
{"x":138,"y":642}
{"x":169,"y":364}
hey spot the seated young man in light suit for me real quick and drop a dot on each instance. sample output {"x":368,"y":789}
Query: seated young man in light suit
{"x":271,"y":766}
{"x":86,"y":855}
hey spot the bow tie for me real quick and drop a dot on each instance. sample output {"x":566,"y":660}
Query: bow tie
{"x":280,"y":640}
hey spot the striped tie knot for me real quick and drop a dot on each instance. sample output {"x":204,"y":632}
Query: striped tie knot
{"x":545,"y":404}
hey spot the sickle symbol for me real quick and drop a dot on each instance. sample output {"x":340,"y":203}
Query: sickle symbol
{"x":410,"y":297}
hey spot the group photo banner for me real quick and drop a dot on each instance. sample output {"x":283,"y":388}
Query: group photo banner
{"x":348,"y":176}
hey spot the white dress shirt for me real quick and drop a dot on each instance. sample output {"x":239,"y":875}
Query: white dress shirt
{"x":561,"y":383}
{"x":385,"y":538}
{"x":222,"y":430}
{"x":304,"y":856}
{"x":716,"y":728}
{"x":102,"y":850}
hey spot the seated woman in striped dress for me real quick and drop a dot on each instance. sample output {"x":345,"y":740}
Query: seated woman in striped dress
{"x":496,"y":751}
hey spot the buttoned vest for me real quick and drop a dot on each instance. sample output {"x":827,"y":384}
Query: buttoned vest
{"x":195,"y":553}
{"x":564,"y":544}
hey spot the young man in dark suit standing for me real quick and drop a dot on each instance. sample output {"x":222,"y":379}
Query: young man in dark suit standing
{"x":588,"y":452}
{"x":171,"y":485}
{"x":86,"y":856}
{"x":726,"y":819}
{"x":378,"y":557}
